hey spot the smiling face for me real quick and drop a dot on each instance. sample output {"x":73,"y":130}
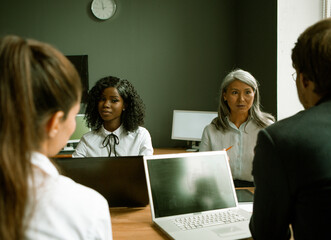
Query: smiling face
{"x":239,"y":97}
{"x":110,"y":107}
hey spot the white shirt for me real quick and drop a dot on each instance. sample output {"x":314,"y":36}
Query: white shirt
{"x":242,"y":140}
{"x":134,"y":143}
{"x":63,"y":209}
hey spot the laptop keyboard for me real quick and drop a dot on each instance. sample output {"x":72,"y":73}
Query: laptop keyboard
{"x":206,"y":220}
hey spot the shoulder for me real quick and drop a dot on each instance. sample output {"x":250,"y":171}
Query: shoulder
{"x":60,"y":190}
{"x":292,"y":127}
{"x":66,"y":208}
{"x":301,"y":132}
{"x":72,"y":200}
{"x":287,"y":122}
{"x":210,"y":128}
{"x":72,"y":193}
{"x":253,"y":125}
{"x":140,"y":131}
{"x":211,"y":132}
{"x":92,"y":135}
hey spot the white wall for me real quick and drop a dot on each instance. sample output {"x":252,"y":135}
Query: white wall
{"x":294,"y":16}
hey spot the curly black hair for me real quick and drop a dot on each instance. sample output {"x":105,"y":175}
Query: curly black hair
{"x":134,"y":113}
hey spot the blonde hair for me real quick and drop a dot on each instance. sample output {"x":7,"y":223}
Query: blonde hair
{"x":36,"y":81}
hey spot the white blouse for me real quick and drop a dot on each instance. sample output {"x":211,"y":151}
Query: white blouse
{"x":134,"y":143}
{"x":242,"y":140}
{"x":60,"y":208}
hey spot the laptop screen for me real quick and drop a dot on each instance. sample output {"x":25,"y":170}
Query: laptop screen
{"x":121,"y":180}
{"x":190,"y":183}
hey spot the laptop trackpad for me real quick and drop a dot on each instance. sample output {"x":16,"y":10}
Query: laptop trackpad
{"x":228,"y":231}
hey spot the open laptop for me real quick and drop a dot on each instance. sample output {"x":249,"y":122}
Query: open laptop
{"x":121,"y":180}
{"x":188,"y":187}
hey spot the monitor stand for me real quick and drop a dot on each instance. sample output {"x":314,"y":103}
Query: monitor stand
{"x":193,"y":146}
{"x":70,"y":147}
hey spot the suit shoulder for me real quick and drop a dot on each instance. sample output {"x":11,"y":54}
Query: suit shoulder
{"x":287,"y":127}
{"x":286,"y":122}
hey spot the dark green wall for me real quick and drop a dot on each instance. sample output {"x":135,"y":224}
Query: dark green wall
{"x":175,"y":52}
{"x":256,"y":46}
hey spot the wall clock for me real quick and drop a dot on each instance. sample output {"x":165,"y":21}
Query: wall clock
{"x":103,"y":9}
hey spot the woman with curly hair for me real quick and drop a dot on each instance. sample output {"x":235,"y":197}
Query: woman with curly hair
{"x":115,"y":113}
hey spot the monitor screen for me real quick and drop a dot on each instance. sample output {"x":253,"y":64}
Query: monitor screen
{"x":189,"y":125}
{"x":190,"y":183}
{"x":81,"y":129}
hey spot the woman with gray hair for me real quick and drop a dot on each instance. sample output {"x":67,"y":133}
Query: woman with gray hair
{"x":237,"y":125}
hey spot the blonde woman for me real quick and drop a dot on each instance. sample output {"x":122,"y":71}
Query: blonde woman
{"x":40,"y":94}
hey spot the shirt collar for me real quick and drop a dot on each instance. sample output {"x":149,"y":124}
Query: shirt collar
{"x":41,"y":161}
{"x":242,"y":126}
{"x":117,"y":132}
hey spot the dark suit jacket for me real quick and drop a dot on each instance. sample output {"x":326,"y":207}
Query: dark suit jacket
{"x":292,"y":175}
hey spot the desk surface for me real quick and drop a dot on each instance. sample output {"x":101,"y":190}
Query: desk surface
{"x":156,"y":152}
{"x":135,"y":223}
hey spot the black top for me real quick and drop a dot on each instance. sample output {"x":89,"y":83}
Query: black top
{"x":292,"y":175}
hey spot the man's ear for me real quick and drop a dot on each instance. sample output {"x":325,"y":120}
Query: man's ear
{"x":53,"y":124}
{"x":304,"y":81}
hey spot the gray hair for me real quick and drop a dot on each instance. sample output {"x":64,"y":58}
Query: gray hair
{"x":262,"y":119}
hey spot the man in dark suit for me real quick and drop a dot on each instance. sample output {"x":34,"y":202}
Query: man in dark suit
{"x":292,"y":163}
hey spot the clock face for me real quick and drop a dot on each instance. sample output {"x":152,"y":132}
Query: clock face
{"x":103,"y":9}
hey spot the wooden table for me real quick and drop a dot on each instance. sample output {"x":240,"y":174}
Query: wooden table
{"x":156,"y":152}
{"x":136,"y":223}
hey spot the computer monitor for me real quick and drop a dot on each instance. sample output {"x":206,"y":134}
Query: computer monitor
{"x":188,"y":125}
{"x":81,"y":64}
{"x":81,"y":129}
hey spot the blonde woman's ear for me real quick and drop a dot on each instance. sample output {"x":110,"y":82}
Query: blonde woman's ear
{"x":53,"y":124}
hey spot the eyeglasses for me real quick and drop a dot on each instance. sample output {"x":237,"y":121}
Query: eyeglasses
{"x":294,"y":76}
